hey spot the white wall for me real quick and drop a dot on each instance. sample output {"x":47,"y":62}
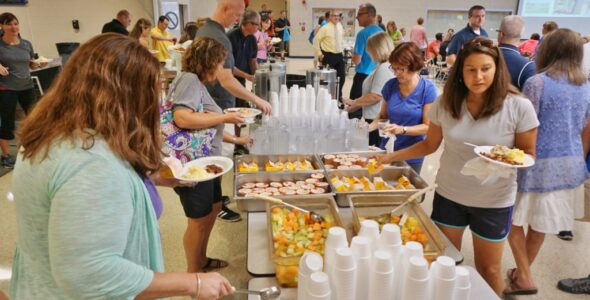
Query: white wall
{"x":404,"y":13}
{"x":46,"y":22}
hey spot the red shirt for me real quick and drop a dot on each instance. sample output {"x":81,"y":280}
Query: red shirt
{"x":433,"y":49}
{"x":528,"y":46}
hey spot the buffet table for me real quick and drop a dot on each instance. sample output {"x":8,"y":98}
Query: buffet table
{"x":258,"y":259}
{"x":480,"y":290}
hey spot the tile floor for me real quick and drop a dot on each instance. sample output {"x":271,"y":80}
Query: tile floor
{"x":557,"y":259}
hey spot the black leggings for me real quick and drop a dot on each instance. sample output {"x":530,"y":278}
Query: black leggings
{"x":8,"y":100}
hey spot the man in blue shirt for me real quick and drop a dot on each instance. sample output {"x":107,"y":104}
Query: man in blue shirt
{"x":519,"y":67}
{"x":477,"y":17}
{"x":364,"y":64}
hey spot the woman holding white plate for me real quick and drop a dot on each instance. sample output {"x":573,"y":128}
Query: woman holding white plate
{"x":478,"y":106}
{"x":195,"y":109}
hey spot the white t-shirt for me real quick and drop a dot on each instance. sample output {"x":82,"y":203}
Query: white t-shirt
{"x":374,"y":84}
{"x":516,"y":116}
{"x":586,"y":60}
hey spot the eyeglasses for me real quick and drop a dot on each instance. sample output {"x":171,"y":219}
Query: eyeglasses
{"x":361,"y":13}
{"x":398,"y":70}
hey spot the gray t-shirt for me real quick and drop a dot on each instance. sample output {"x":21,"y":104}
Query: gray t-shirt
{"x":374,"y":84}
{"x":215,"y":31}
{"x":516,"y":116}
{"x":16,"y":58}
{"x":190,"y":93}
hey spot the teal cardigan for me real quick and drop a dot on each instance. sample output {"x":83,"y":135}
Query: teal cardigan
{"x":86,"y":226}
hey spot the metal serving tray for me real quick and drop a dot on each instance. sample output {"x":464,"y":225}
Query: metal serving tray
{"x":257,"y":205}
{"x":367,"y":154}
{"x":364,"y":206}
{"x":262,"y":159}
{"x":390,"y":175}
{"x":286,"y":267}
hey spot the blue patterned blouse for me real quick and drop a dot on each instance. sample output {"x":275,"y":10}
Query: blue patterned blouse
{"x":563,"y":110}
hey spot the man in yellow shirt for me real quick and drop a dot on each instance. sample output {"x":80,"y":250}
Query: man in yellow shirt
{"x":328,"y":45}
{"x":161,"y":39}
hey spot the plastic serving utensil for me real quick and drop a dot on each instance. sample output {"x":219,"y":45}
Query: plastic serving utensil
{"x":314,"y":216}
{"x":268,"y":293}
{"x":412,"y":198}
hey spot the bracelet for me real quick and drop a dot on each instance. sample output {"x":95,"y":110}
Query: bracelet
{"x":198,"y":287}
{"x":234,"y":140}
{"x":405,"y":129}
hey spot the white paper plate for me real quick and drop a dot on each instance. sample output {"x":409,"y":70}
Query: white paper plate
{"x":225,"y":163}
{"x":252,"y":113}
{"x":529,"y":161}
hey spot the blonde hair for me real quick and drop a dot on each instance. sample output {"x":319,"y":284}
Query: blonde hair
{"x":380,"y":46}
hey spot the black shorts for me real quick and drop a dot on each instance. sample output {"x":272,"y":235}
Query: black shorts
{"x":490,"y":224}
{"x":197,"y":201}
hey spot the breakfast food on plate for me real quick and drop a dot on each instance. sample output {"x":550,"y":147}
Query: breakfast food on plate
{"x":504,"y":154}
{"x":196,"y":173}
{"x":411,"y":231}
{"x":294,"y":232}
{"x":213,"y":169}
{"x":244,"y":111}
{"x":307,"y":186}
{"x":248,"y":167}
{"x":351,"y":161}
{"x":354,"y":184}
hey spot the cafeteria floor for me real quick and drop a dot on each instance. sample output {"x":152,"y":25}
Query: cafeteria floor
{"x":557,"y":259}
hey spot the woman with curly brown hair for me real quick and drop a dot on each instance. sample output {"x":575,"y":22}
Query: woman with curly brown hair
{"x":86,"y":225}
{"x":478,"y":106}
{"x":202,"y":202}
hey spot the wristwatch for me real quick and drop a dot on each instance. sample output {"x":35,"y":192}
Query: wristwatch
{"x":405,"y":130}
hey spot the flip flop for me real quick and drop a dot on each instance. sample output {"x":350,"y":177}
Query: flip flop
{"x":514,"y":289}
{"x":215,"y":263}
{"x":511,"y":274}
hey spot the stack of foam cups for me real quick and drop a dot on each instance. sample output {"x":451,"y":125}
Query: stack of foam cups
{"x":302,"y":102}
{"x":318,"y":287}
{"x":274,"y":103}
{"x":361,"y":249}
{"x":310,"y":262}
{"x":343,"y":275}
{"x":442,"y":272}
{"x":336,"y":239}
{"x":417,"y":281}
{"x":390,"y":241}
{"x":463,"y":285}
{"x":284,"y":100}
{"x":381,"y":282}
{"x":370,"y":231}
{"x":410,"y":249}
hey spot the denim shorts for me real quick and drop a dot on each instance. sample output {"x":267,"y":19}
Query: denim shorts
{"x":490,"y":224}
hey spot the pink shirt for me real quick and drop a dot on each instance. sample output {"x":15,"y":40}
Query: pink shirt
{"x":418,"y":36}
{"x":528,"y":46}
{"x":262,"y":50}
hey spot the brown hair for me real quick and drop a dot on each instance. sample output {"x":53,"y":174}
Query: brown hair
{"x":7,"y":17}
{"x":190,"y":30}
{"x":560,"y":55}
{"x":455,"y":90}
{"x":202,"y":57}
{"x":407,"y":54}
{"x":550,"y":26}
{"x":108,"y":90}
{"x":420,"y":21}
{"x":138,"y":28}
{"x":123,"y":13}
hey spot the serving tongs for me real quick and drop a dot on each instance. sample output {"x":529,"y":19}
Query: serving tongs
{"x":268,"y":293}
{"x":411,"y":199}
{"x":315,"y":217}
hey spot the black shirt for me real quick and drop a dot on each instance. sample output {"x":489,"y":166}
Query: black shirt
{"x":244,"y":49}
{"x":443,"y":49}
{"x":281,"y":23}
{"x":114,"y":26}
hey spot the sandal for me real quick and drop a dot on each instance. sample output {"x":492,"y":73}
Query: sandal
{"x":515,"y":289}
{"x":511,"y":274}
{"x":215,"y":263}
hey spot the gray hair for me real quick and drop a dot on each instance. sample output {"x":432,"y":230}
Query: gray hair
{"x":371,"y":10}
{"x":512,"y":26}
{"x":250,"y":16}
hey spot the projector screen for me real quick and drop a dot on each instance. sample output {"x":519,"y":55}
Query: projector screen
{"x":572,"y":14}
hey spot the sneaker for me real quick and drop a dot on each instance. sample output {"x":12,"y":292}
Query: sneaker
{"x":228,"y":215}
{"x":565,"y":235}
{"x":7,"y":161}
{"x":575,"y":286}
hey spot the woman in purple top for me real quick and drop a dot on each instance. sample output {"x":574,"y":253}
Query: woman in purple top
{"x":407,"y":100}
{"x":262,"y":39}
{"x":550,"y":193}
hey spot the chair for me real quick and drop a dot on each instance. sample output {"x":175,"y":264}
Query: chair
{"x":37,"y":83}
{"x":65,"y":50}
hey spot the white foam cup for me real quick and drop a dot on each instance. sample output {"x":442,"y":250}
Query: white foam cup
{"x":445,"y":268}
{"x":382,"y":262}
{"x":463,"y":284}
{"x":336,"y":239}
{"x":361,"y":249}
{"x":370,"y":230}
{"x":381,"y":278}
{"x":343,"y":278}
{"x":319,"y":287}
{"x":417,"y":268}
{"x":309,"y":263}
{"x":390,"y":235}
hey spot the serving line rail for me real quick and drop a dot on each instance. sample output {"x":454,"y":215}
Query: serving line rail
{"x":258,"y":258}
